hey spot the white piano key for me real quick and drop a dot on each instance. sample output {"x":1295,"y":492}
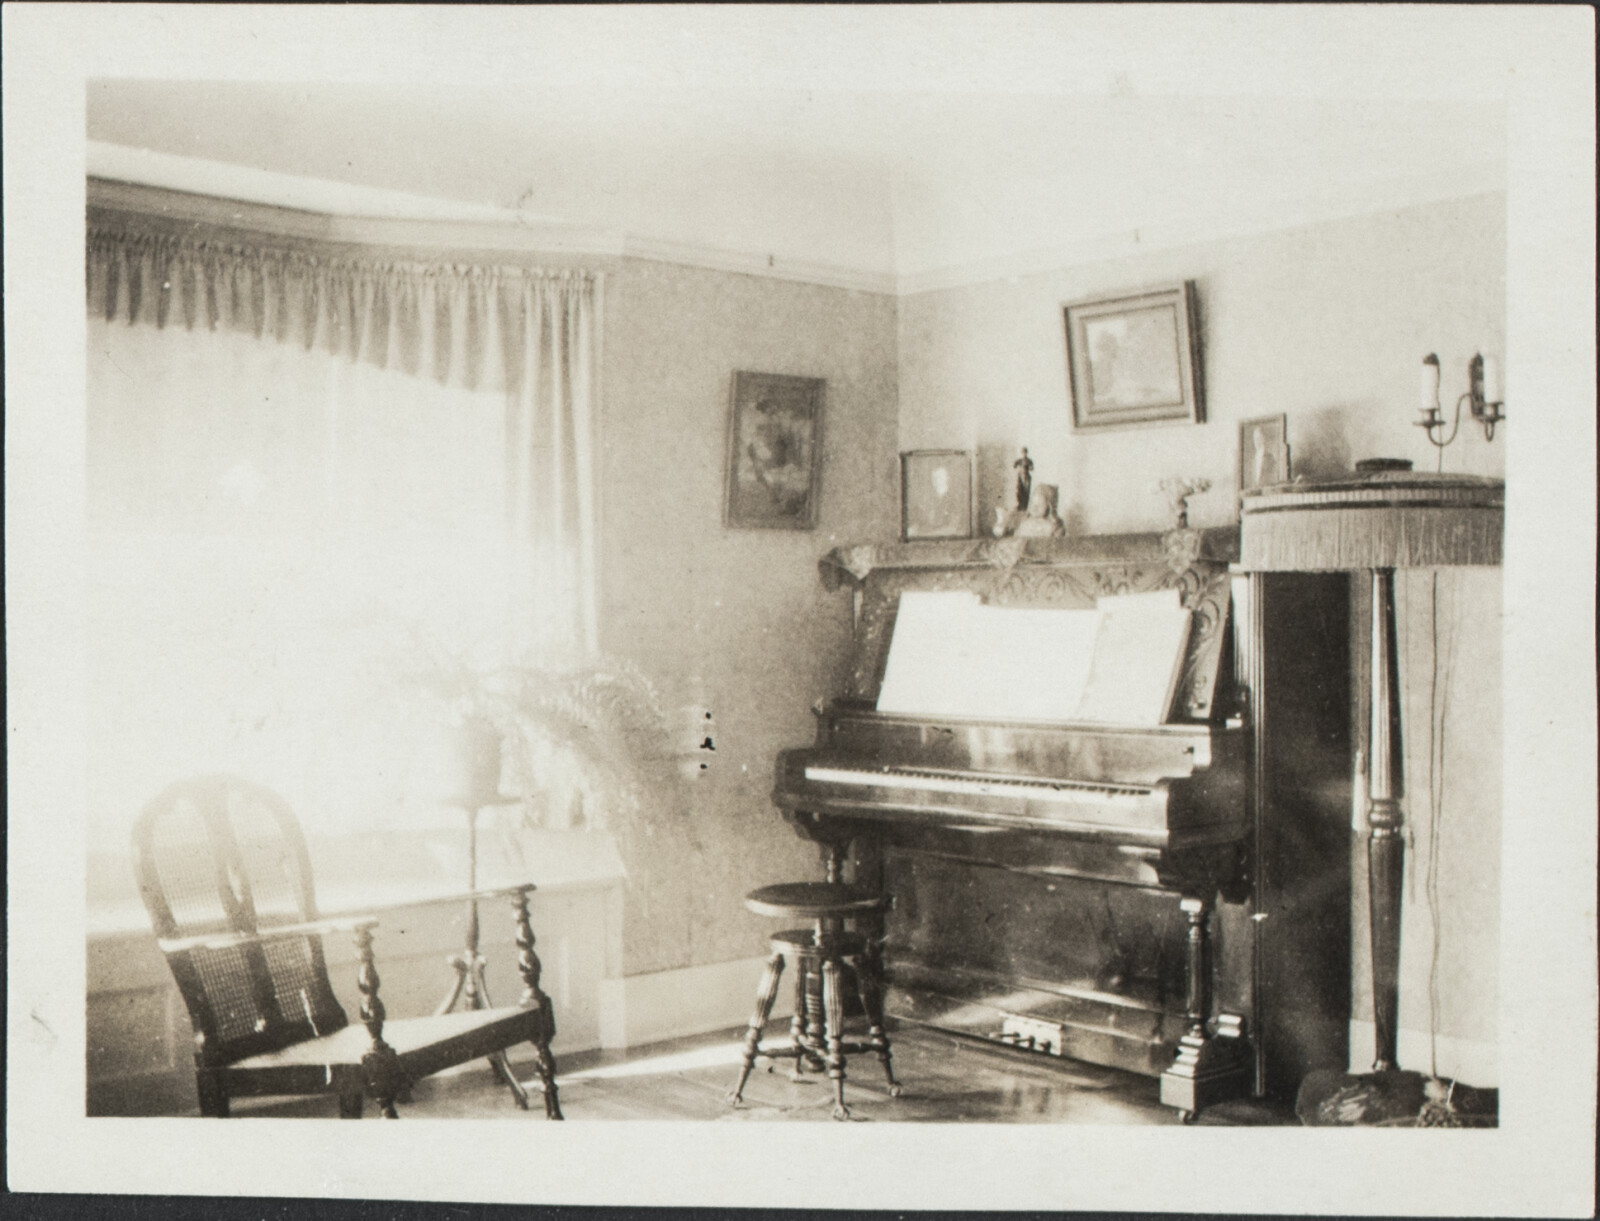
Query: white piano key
{"x":906,"y":778}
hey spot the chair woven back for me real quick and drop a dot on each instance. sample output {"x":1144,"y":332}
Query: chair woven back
{"x":221,"y":855}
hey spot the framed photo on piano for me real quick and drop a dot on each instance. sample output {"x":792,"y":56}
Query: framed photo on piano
{"x":1263,"y":452}
{"x":935,"y":494}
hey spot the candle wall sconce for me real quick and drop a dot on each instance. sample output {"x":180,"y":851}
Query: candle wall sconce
{"x":1485,"y":397}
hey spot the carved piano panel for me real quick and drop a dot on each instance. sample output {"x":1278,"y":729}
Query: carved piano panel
{"x":1045,"y":572}
{"x":1055,"y":884}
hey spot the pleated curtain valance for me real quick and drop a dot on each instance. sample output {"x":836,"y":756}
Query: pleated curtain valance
{"x":480,"y":326}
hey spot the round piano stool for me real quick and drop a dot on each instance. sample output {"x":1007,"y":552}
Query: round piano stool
{"x":822,"y":956}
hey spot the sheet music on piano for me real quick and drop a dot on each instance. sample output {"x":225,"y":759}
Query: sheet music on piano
{"x":952,"y":655}
{"x":1138,"y":658}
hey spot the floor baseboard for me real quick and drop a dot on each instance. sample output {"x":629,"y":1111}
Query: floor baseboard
{"x":640,"y":1009}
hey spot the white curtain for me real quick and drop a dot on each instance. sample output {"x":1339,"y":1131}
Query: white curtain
{"x":301,"y":461}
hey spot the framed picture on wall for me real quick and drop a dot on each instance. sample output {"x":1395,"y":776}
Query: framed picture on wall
{"x":774,"y":451}
{"x":1131,"y":360}
{"x":1263,"y":452}
{"x":935,"y":494}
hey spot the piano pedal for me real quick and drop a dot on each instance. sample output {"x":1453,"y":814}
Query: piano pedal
{"x":1032,"y":1034}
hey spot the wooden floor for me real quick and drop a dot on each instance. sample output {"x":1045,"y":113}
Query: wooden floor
{"x":945,"y":1079}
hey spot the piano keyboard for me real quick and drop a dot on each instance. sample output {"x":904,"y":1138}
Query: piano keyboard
{"x":988,"y":786}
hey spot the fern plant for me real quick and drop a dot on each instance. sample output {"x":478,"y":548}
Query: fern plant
{"x":569,"y":740}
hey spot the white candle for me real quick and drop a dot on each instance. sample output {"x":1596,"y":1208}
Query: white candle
{"x":1430,"y":384}
{"x":1494,"y":390}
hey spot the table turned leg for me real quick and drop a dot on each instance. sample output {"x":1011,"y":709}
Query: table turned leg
{"x":833,"y":1028}
{"x":766,"y":994}
{"x":468,"y":965}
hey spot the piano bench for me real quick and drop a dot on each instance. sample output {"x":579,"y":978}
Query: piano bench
{"x":821,"y":955}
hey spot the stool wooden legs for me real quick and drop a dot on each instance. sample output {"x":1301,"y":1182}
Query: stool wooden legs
{"x":833,"y":1026}
{"x":817,"y":1028}
{"x":805,"y":1028}
{"x":765,"y":996}
{"x":872,"y":1001}
{"x":797,"y":1023}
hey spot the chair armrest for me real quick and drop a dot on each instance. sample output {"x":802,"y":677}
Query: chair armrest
{"x":471,"y":896}
{"x":280,"y":932}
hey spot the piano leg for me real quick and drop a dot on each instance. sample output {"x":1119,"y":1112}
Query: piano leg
{"x":1208,"y":1068}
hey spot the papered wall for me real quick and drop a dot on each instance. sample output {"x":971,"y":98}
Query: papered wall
{"x":730,"y":621}
{"x":1327,"y":324}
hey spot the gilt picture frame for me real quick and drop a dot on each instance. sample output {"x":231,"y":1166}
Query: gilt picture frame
{"x":936,"y":494}
{"x":1133,"y":360}
{"x":774,"y":462}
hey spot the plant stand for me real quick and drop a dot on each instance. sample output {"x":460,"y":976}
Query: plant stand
{"x":469,"y":986}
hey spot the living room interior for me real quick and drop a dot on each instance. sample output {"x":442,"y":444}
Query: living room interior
{"x":955,"y":360}
{"x":316,"y":551}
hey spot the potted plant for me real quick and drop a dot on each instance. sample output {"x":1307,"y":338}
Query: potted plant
{"x":567,"y":739}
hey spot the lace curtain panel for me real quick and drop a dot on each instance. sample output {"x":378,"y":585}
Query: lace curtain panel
{"x":299,"y":463}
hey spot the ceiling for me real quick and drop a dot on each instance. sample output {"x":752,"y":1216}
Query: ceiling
{"x":904,"y":179}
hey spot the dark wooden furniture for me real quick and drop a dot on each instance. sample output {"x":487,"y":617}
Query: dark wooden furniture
{"x":1169,"y":899}
{"x":224,"y":873}
{"x":1382,"y":518}
{"x":822,"y":955}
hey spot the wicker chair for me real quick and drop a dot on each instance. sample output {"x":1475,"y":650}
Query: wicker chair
{"x":224,"y":873}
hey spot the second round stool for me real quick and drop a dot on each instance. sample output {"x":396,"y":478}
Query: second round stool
{"x":822,"y":955}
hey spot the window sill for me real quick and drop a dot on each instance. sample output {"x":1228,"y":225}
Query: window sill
{"x":390,"y":871}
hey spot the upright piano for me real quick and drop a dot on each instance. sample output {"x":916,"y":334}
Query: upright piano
{"x":1169,"y":899}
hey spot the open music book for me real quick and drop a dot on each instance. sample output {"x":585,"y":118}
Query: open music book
{"x":951,"y":655}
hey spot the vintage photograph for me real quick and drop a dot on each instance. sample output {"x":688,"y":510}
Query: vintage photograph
{"x":935,"y":494}
{"x":617,"y":570}
{"x":1263,"y":452}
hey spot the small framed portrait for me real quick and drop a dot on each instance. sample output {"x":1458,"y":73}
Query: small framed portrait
{"x":1132,"y":360}
{"x":1263,"y":452}
{"x":774,"y":451}
{"x":935,"y":494}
